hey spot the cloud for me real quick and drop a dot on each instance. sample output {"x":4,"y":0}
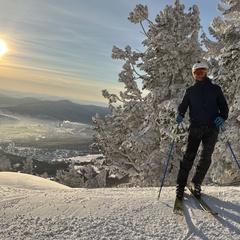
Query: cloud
{"x":64,"y":47}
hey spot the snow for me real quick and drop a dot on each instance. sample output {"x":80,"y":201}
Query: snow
{"x":82,"y":159}
{"x":35,"y":208}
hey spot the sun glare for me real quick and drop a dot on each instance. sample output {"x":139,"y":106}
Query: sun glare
{"x":3,"y":47}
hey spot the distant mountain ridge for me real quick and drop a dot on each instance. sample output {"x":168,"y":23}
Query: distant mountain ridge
{"x":57,"y":110}
{"x":6,"y":101}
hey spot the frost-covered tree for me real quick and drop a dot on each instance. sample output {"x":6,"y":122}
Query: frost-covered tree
{"x":70,"y":178}
{"x":82,"y":176}
{"x":28,"y":165}
{"x":135,"y":139}
{"x":224,"y":52}
{"x":5,"y":164}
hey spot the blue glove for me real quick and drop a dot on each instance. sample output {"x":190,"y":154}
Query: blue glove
{"x":219,"y":121}
{"x":179,"y":119}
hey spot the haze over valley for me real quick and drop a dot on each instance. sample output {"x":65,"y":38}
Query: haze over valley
{"x":47,"y":130}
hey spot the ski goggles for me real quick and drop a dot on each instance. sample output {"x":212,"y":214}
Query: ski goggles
{"x":200,"y":72}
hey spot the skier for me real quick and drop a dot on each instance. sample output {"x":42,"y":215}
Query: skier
{"x":208,"y":110}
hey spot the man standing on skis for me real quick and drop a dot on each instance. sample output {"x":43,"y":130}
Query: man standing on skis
{"x":208,"y":110}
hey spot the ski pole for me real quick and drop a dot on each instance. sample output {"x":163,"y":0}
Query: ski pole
{"x":168,"y":160}
{"x":229,"y":145}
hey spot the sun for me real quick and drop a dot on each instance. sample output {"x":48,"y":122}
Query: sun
{"x":3,"y":47}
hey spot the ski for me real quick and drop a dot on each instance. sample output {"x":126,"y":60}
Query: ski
{"x":178,"y":207}
{"x":202,"y":203}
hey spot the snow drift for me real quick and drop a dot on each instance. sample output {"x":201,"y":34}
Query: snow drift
{"x":35,"y":208}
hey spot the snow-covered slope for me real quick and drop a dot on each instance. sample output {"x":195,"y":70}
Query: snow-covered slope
{"x":35,"y":208}
{"x":27,"y":181}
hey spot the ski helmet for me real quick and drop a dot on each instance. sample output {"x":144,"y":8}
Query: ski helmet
{"x":199,"y":64}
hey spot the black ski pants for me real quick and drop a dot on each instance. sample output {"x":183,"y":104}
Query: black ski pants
{"x":208,"y":137}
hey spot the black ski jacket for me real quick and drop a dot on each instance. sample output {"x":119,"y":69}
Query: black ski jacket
{"x":205,"y":101}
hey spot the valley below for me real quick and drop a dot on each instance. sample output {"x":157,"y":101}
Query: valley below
{"x":25,"y":136}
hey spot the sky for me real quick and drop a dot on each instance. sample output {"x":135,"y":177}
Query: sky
{"x":63,"y":48}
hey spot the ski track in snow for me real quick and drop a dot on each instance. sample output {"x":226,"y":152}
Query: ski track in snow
{"x":36,"y":208}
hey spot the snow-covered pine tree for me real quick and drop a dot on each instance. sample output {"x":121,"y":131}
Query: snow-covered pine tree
{"x":225,"y":54}
{"x":70,"y":178}
{"x":5,"y":164}
{"x":28,"y":165}
{"x":135,"y":139}
{"x":127,"y":115}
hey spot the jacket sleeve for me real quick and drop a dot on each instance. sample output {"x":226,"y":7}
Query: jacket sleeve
{"x":183,"y":106}
{"x":222,"y":105}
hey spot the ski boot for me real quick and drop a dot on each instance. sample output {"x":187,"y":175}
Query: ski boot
{"x":179,"y":192}
{"x":196,"y":189}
